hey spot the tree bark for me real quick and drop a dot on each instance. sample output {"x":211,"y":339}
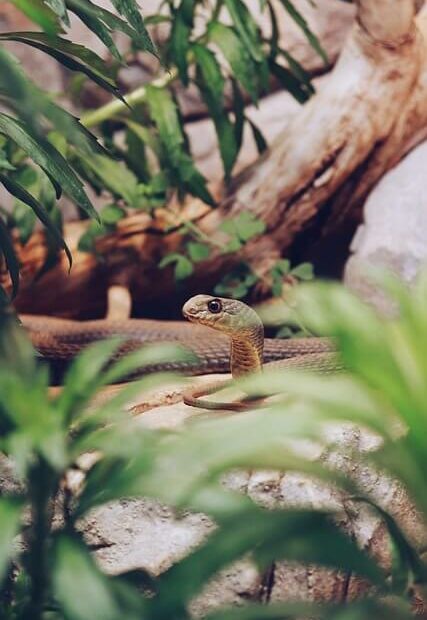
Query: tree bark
{"x":370,"y":110}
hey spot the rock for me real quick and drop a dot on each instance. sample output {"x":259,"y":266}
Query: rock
{"x":144,"y":534}
{"x":394,"y":233}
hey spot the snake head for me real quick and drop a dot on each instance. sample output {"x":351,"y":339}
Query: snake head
{"x":230,"y":316}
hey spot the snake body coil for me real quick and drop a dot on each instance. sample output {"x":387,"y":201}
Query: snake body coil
{"x":246,"y":334}
{"x":63,"y":339}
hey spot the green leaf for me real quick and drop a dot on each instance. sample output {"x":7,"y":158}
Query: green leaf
{"x":84,"y":377}
{"x":4,"y":162}
{"x":103,"y":23}
{"x":246,"y":28}
{"x":239,"y":114}
{"x":49,"y":159}
{"x":360,"y":610}
{"x":89,"y":17}
{"x":274,"y":37}
{"x":81,"y":589}
{"x":243,"y":67}
{"x":260,"y":141}
{"x":10,"y":517}
{"x":130,"y":10}
{"x":39,"y":13}
{"x":299,"y":71}
{"x":304,"y":271}
{"x":302,"y":23}
{"x":59,"y":7}
{"x":30,"y":102}
{"x":183,"y":266}
{"x":164,"y":113}
{"x":68,"y":54}
{"x":21,"y":193}
{"x":198,"y":251}
{"x":407,"y":565}
{"x":111,"y":214}
{"x":211,"y":84}
{"x":115,"y":176}
{"x":248,"y":226}
{"x":167,"y":355}
{"x":289,"y":81}
{"x":242,"y":227}
{"x":8,"y":251}
{"x":179,"y":44}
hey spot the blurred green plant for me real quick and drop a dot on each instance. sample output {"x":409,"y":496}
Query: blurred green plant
{"x":49,"y":573}
{"x":45,"y":151}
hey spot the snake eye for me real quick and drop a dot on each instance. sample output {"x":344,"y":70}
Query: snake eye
{"x":214,"y":306}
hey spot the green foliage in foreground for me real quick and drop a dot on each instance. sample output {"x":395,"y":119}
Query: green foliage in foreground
{"x":49,"y":573}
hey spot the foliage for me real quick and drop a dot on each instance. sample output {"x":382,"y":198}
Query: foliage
{"x":54,"y":575}
{"x":384,"y":389}
{"x":45,"y":151}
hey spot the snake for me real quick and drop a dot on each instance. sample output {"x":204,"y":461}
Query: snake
{"x":247,"y":348}
{"x":222,"y":334}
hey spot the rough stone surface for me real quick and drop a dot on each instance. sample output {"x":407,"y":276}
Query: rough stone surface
{"x":394,"y":232}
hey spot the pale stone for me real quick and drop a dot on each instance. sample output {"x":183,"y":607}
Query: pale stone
{"x":394,"y":233}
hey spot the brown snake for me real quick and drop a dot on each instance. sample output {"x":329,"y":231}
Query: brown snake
{"x":62,"y":339}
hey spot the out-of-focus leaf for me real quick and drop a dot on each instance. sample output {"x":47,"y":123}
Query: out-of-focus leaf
{"x":407,"y":566}
{"x":8,"y":251}
{"x":304,"y":271}
{"x":21,"y":193}
{"x":164,"y":354}
{"x":302,"y":23}
{"x":198,"y":251}
{"x":299,"y":71}
{"x":179,"y":42}
{"x":39,"y":13}
{"x":289,"y":81}
{"x":30,"y":102}
{"x":68,"y":54}
{"x":130,"y":10}
{"x":246,"y":28}
{"x":111,"y":214}
{"x":10,"y":516}
{"x":59,"y":7}
{"x":211,"y":84}
{"x":242,"y":65}
{"x":115,"y":176}
{"x":244,"y":226}
{"x":49,"y":159}
{"x":163,"y":111}
{"x":79,"y":586}
{"x":94,"y":24}
{"x":360,"y":610}
{"x":260,"y":141}
{"x":4,"y":162}
{"x":239,"y":114}
{"x":102,"y":22}
{"x":84,"y":377}
{"x":183,"y":266}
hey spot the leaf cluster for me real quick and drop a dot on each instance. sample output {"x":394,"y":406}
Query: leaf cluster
{"x":53,"y":575}
{"x":219,"y":50}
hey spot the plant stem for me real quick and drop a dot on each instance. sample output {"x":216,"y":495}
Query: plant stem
{"x":117,"y":106}
{"x":42,"y":484}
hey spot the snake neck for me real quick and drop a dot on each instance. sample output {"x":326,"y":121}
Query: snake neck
{"x":247,"y":352}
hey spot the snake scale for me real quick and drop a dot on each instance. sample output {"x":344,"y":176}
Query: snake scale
{"x":62,"y":339}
